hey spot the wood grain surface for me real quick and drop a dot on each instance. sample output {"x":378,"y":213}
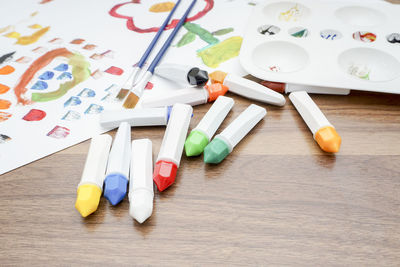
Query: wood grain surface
{"x":276,"y":200}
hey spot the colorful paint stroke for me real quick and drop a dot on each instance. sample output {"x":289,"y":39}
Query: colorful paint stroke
{"x":59,"y":132}
{"x":4,"y":116}
{"x":23,"y":60}
{"x":162,"y":7}
{"x":107,"y":53}
{"x":4,"y":88}
{"x":149,"y":86}
{"x":222,"y":31}
{"x":61,"y":67}
{"x":6,"y":70}
{"x":359,"y":71}
{"x":90,"y":47}
{"x":71,"y":116}
{"x":274,"y":68}
{"x":77,"y":41}
{"x":97,"y":74}
{"x":330,"y":35}
{"x":86,"y":92}
{"x":366,"y":37}
{"x":47,"y":75}
{"x":201,"y":32}
{"x":72,"y":101}
{"x":112,"y":88}
{"x":221,"y":52}
{"x":65,"y":76}
{"x":34,"y":115}
{"x":40,"y":50}
{"x":30,"y":39}
{"x":293,"y":14}
{"x":269,"y":29}
{"x":130,"y":21}
{"x":187,"y":38}
{"x":35,"y":26}
{"x":45,"y":1}
{"x":5,"y":104}
{"x":114,"y":70}
{"x":6,"y":57}
{"x":393,"y":38}
{"x":80,"y":72}
{"x":14,"y":35}
{"x":299,"y":32}
{"x":40,"y":85}
{"x":94,"y":109}
{"x":56,"y":41}
{"x":4,"y":138}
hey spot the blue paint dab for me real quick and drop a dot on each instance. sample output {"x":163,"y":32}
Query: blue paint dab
{"x":48,"y":75}
{"x":87,"y":93}
{"x":71,"y":116}
{"x":61,"y":67}
{"x":94,"y":109}
{"x":64,"y":75}
{"x":73,"y":101}
{"x":39,"y":85}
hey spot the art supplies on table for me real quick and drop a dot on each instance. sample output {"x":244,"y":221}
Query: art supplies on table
{"x":137,"y":90}
{"x":341,"y":44}
{"x":169,"y":157}
{"x":222,"y":145}
{"x":201,"y":135}
{"x":117,"y":174}
{"x":136,"y":117}
{"x":323,"y":131}
{"x":285,"y":88}
{"x":192,"y":96}
{"x":141,"y":192}
{"x":91,"y":184}
{"x":137,"y":68}
{"x":247,"y":88}
{"x":183,"y":74}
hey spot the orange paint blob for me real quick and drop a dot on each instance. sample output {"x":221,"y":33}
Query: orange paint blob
{"x":4,"y":88}
{"x":7,"y":70}
{"x":4,"y":116}
{"x":4,"y":104}
{"x":162,"y":7}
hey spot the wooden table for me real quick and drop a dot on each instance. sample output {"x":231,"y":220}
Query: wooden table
{"x":276,"y":200}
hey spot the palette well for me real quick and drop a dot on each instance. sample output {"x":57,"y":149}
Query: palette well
{"x":353,"y":45}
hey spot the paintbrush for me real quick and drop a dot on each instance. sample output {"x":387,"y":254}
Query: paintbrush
{"x":137,"y":90}
{"x":136,"y":69}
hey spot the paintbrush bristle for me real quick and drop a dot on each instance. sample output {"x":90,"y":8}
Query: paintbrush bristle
{"x":122,"y":94}
{"x":131,"y":101}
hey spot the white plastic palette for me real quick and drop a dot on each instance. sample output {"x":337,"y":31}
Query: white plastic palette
{"x":353,"y":45}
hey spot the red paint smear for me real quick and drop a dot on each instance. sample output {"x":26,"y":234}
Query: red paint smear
{"x":149,"y":86}
{"x":45,"y":1}
{"x":4,"y":116}
{"x":34,"y":115}
{"x":77,"y":41}
{"x":38,"y":64}
{"x":114,"y":70}
{"x":131,"y":25}
{"x":59,"y":132}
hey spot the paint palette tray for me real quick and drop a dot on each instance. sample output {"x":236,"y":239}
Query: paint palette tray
{"x":352,"y":45}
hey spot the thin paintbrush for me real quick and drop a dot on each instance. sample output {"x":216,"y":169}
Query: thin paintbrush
{"x":137,"y":90}
{"x":134,"y":74}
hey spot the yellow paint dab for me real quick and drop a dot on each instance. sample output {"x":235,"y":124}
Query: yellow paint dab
{"x":162,"y":7}
{"x":35,"y":26}
{"x":34,"y":13}
{"x":4,"y":88}
{"x":30,"y":39}
{"x":6,"y":70}
{"x":15,"y":35}
{"x":218,"y":53}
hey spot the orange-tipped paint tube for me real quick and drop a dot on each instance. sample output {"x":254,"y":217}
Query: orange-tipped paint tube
{"x":323,"y":131}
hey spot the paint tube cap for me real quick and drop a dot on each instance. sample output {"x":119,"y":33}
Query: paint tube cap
{"x":328,"y":139}
{"x":277,"y":87}
{"x":88,"y":198}
{"x":115,"y":187}
{"x":216,"y":151}
{"x":195,"y":143}
{"x":197,"y":77}
{"x":215,"y":90}
{"x":218,"y":76}
{"x":141,"y":206}
{"x":164,"y":174}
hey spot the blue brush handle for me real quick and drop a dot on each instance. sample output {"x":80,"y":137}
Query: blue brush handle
{"x":171,"y":37}
{"x":157,"y":36}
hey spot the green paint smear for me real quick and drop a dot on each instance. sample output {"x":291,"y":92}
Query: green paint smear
{"x":186,"y":39}
{"x":222,"y":31}
{"x":80,"y":72}
{"x":216,"y":54}
{"x":202,"y":33}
